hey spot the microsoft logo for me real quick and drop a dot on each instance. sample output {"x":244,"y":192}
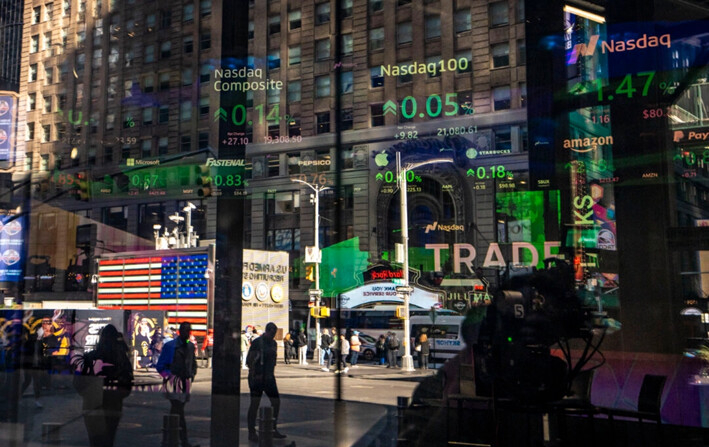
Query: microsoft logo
{"x":130,"y":162}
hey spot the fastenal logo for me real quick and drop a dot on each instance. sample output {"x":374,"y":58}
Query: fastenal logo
{"x":448,"y":228}
{"x":225,"y":162}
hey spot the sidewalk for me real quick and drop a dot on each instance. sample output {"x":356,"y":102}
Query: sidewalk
{"x":361,"y":371}
{"x":309,"y":421}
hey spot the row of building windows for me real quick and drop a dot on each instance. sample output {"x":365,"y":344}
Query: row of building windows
{"x":498,"y":16}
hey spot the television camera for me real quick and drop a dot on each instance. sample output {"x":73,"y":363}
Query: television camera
{"x":525,"y":340}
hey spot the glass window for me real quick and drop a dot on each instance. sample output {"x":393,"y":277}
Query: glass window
{"x":274,"y":60}
{"x":164,"y":114}
{"x":164,"y":81}
{"x":462,"y":21}
{"x":346,"y":8}
{"x":251,"y":30}
{"x":204,"y":73}
{"x":47,"y":104}
{"x":500,"y":55}
{"x":294,"y":55}
{"x":322,"y":122}
{"x":186,"y":76}
{"x":188,"y":12}
{"x":464,"y":60}
{"x":376,"y":76}
{"x":434,"y":61}
{"x":521,"y":52}
{"x":403,"y":33}
{"x":377,"y":114}
{"x":376,"y":5}
{"x":187,"y":44}
{"x":294,"y":129}
{"x":162,"y":145}
{"x":347,"y":44}
{"x":49,"y":75}
{"x":376,"y":39}
{"x":165,"y":49}
{"x":347,"y":120}
{"x":322,"y":49}
{"x":322,"y":86}
{"x":146,"y":148}
{"x":36,"y":14}
{"x":501,"y":98}
{"x":31,"y":101}
{"x":185,"y":143}
{"x":149,"y":53}
{"x":205,"y":41}
{"x":293,"y":91}
{"x":29,"y":135}
{"x":148,"y":84}
{"x":33,"y":73}
{"x":433,"y":26}
{"x":34,"y":43}
{"x":499,"y":14}
{"x":294,"y":21}
{"x":273,"y":96}
{"x":274,"y":24}
{"x":347,"y":82}
{"x":148,"y":116}
{"x":322,"y":13}
{"x":186,"y":110}
{"x":205,"y":7}
{"x":204,"y":106}
{"x":46,"y":133}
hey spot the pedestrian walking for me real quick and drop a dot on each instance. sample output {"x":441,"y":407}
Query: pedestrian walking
{"x":208,"y":347}
{"x":287,"y":346}
{"x":32,"y":362}
{"x":262,"y":364}
{"x":355,"y":345}
{"x":423,"y":349}
{"x":344,"y":352}
{"x":380,"y":346}
{"x":245,"y":343}
{"x":104,"y":378}
{"x":302,"y":348}
{"x":325,"y":340}
{"x":178,"y":366}
{"x":393,"y":350}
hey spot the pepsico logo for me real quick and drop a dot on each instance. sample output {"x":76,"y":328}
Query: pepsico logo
{"x":3,"y":136}
{"x":10,"y":257}
{"x":4,"y":107}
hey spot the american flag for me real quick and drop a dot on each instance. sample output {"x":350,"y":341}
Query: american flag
{"x":176,"y":284}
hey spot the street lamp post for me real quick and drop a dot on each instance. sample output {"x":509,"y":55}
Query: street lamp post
{"x":317,"y":293}
{"x":407,"y":361}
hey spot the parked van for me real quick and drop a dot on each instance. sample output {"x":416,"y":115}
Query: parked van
{"x":444,"y":337}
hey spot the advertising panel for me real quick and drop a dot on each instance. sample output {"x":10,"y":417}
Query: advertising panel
{"x":12,"y":231}
{"x":264,"y":290}
{"x":7,"y":126}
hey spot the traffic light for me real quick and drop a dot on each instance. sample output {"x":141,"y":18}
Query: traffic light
{"x":320,"y":312}
{"x":204,"y":180}
{"x":83,"y":190}
{"x":400,"y":312}
{"x":309,"y":273}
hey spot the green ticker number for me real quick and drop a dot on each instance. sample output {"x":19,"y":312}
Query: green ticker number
{"x":626,"y":86}
{"x":227,"y":180}
{"x":238,"y":114}
{"x":434,"y":106}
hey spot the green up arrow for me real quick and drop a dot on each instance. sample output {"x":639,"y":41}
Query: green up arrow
{"x":470,"y":173}
{"x":390,"y":107}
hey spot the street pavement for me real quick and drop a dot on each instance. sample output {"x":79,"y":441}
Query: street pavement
{"x":310,"y":415}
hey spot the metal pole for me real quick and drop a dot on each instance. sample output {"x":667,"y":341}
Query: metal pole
{"x":316,"y":351}
{"x":407,"y":361}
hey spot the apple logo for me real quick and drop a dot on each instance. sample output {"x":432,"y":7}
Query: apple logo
{"x":381,"y":159}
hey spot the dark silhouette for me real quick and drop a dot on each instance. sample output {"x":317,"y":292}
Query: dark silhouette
{"x":104,"y":378}
{"x":178,"y":366}
{"x":261,"y":361}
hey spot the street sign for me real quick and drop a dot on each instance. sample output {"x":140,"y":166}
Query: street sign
{"x":312,"y":255}
{"x":404,"y":289}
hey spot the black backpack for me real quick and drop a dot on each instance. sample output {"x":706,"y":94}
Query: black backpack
{"x":393,"y":342}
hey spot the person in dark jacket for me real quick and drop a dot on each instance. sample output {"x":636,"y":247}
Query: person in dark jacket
{"x":302,"y":348}
{"x":105,"y":378}
{"x":381,"y":349}
{"x":287,"y":347}
{"x":261,"y":361}
{"x":325,"y":341}
{"x":393,"y":350}
{"x":423,"y":349}
{"x":178,"y":366}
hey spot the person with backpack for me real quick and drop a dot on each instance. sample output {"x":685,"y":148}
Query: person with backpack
{"x":393,"y":350}
{"x":103,"y":378}
{"x":381,"y":349}
{"x":178,"y":366}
